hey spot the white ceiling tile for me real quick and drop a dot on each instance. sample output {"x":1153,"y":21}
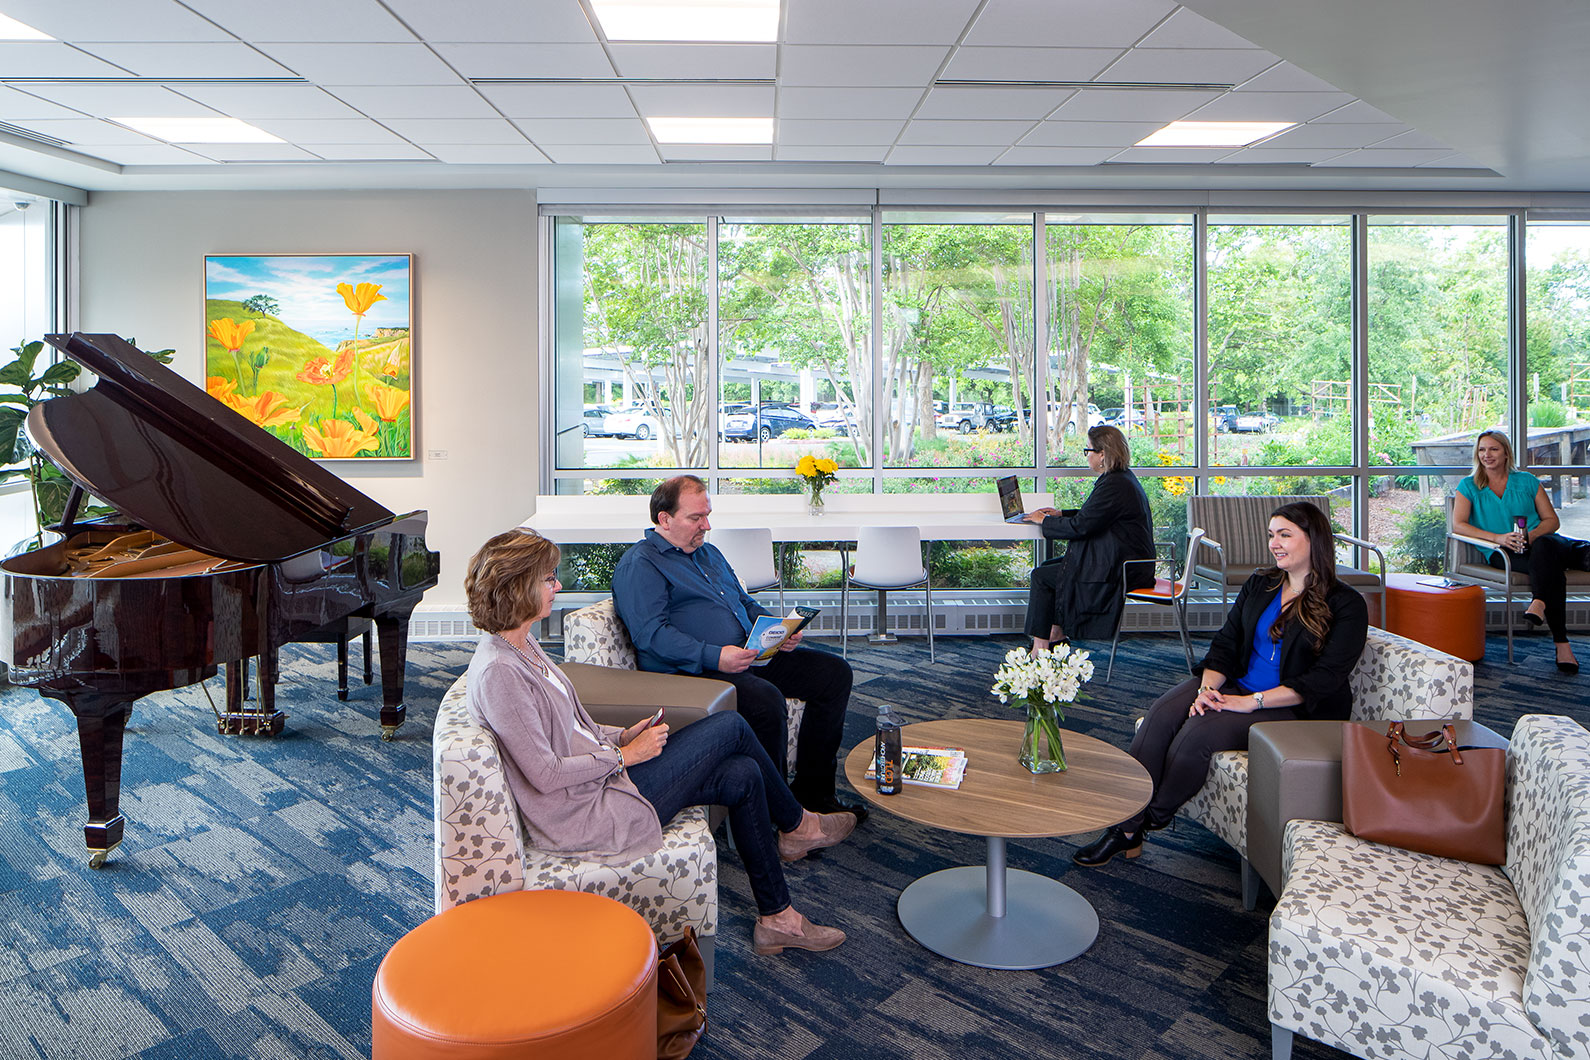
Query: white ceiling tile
{"x":398,"y":152}
{"x":527,"y":60}
{"x":355,"y":21}
{"x":1187,"y":29}
{"x":431,"y":131}
{"x":837,"y":132}
{"x":1188,"y":65}
{"x":528,"y":21}
{"x":315,"y":131}
{"x":252,"y":102}
{"x":820,"y":65}
{"x":1393,"y":159}
{"x":965,"y":133}
{"x":1454,"y":161}
{"x":876,"y":21}
{"x":1125,"y":104}
{"x":252,"y":152}
{"x":416,"y":101}
{"x":1029,"y":103}
{"x":18,"y":106}
{"x":594,"y":131}
{"x":1340,"y":136}
{"x":489,"y":154}
{"x":701,"y":60}
{"x":847,"y":102}
{"x":821,"y":153}
{"x":942,"y":156}
{"x":1087,"y":23}
{"x":43,"y":58}
{"x":703,"y":101}
{"x":88,"y":131}
{"x":119,"y":20}
{"x":1243,"y":105}
{"x":1412,"y":139}
{"x":1115,"y":134}
{"x":363,"y":64}
{"x":1284,"y":77}
{"x":603,"y":154}
{"x":1028,"y":64}
{"x":189,"y":59}
{"x":560,"y":101}
{"x":1359,"y":111}
{"x":1171,"y":155}
{"x":1055,"y":156}
{"x":716,"y":152}
{"x":147,"y":155}
{"x":123,"y":100}
{"x":1282,"y":156}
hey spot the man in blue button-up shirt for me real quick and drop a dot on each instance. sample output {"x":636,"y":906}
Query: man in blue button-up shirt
{"x":687,"y":613}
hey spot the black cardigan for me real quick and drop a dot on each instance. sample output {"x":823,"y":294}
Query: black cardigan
{"x":1320,"y":677}
{"x":1113,"y":525}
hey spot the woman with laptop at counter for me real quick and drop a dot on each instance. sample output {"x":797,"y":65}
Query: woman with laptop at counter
{"x":1080,"y":595}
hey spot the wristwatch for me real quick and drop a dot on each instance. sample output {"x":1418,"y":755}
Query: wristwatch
{"x":1258,"y":701}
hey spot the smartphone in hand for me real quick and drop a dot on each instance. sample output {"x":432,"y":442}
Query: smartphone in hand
{"x":654,"y":719}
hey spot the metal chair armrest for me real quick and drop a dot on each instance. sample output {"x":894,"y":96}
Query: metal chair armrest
{"x":1371,"y":546}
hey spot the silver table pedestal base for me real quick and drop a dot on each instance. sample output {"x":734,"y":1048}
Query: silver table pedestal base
{"x":993,"y":918}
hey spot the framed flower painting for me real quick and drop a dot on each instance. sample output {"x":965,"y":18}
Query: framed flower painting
{"x":315,"y":348}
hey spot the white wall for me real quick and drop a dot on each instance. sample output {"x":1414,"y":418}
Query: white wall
{"x":475,"y":329}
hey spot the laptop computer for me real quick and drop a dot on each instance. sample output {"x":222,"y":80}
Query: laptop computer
{"x":1010,"y":500}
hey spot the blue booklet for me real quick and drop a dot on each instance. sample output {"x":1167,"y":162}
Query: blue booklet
{"x":769,"y":631}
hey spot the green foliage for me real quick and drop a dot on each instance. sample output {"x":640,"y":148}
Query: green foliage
{"x":589,"y":568}
{"x":959,"y":566}
{"x":1421,"y":546}
{"x":262,"y":305}
{"x":1548,"y":414}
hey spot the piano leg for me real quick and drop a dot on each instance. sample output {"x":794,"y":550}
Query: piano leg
{"x":263,"y":719}
{"x":394,"y":629}
{"x":101,"y":721}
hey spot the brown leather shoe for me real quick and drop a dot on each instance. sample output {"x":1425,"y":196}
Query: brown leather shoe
{"x":833,"y":828}
{"x":767,"y":941}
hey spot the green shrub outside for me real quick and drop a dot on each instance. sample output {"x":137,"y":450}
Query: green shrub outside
{"x":1548,"y":414}
{"x":1421,"y":546}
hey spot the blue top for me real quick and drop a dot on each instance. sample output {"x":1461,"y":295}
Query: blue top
{"x":681,"y":608}
{"x":1496,"y":514}
{"x":1264,"y":664}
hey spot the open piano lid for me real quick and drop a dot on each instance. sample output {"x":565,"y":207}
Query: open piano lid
{"x":172,"y":458}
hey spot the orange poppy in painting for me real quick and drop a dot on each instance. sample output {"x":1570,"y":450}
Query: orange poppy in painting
{"x":339,"y":439}
{"x":219,"y":387}
{"x":360,"y":299}
{"x":389,"y":401}
{"x":230,"y":333}
{"x":388,"y":360}
{"x":268,"y":410}
{"x":321,"y":372}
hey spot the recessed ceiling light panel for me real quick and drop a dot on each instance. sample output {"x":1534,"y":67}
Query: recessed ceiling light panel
{"x":692,"y":20}
{"x":1213,"y":133}
{"x":200,"y":130}
{"x":712,"y":130}
{"x":11,"y":29}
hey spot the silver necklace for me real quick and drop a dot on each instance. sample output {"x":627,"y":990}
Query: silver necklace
{"x":533,"y":662}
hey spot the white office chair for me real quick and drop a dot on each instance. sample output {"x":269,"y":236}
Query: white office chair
{"x":750,"y":552}
{"x":887,"y":557}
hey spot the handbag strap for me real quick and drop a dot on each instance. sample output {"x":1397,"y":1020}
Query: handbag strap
{"x":1396,"y":732}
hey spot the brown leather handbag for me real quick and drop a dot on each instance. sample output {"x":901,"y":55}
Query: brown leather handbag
{"x":1424,"y":793}
{"x":681,"y":998}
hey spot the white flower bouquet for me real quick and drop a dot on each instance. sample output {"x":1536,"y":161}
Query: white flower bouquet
{"x":1042,"y":681}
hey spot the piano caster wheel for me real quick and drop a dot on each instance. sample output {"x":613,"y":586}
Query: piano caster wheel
{"x":389,"y":733}
{"x":96,"y":860}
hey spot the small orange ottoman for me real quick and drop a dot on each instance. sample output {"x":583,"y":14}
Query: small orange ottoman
{"x":1448,"y":618}
{"x":557,"y":975}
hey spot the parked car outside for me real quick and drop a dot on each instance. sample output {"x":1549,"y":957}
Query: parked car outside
{"x":634,"y":423}
{"x":832,"y":415}
{"x":595,"y":423}
{"x":965,"y":416}
{"x":1253,"y":423}
{"x":767,"y":423}
{"x":1225,"y":418}
{"x":1121,"y":419}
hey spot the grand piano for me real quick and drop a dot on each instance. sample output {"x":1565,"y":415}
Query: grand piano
{"x":226,"y":544}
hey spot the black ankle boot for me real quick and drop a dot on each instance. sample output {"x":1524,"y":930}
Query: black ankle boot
{"x":1111,"y":843}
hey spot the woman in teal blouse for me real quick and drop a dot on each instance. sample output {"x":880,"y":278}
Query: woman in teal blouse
{"x":1489,"y":506}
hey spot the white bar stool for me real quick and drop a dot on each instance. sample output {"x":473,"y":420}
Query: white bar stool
{"x":887,"y":558}
{"x":749,"y":551}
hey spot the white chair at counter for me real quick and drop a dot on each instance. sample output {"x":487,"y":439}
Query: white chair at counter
{"x":887,"y":558}
{"x":749,"y":551}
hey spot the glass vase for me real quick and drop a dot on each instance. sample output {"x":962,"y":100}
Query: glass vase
{"x":814,"y":500}
{"x":1041,"y":748}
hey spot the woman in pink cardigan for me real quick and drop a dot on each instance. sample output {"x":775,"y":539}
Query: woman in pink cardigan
{"x":598,"y":791}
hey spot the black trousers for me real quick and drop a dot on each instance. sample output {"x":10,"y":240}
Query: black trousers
{"x":1176,"y":747}
{"x":1040,"y":598}
{"x":823,"y":681}
{"x":1546,"y":560}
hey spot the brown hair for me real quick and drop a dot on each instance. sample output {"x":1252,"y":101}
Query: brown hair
{"x":1507,"y":451}
{"x":505,"y":579}
{"x":665,"y":498}
{"x":1111,"y":444}
{"x":1309,"y":607}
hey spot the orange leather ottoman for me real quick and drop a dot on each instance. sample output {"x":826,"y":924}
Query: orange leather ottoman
{"x":557,"y":975}
{"x":1447,"y":618}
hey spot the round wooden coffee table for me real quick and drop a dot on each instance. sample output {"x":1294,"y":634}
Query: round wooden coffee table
{"x":988,"y":915}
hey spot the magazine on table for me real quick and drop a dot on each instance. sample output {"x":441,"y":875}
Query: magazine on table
{"x":770,"y":631}
{"x":934,"y":767}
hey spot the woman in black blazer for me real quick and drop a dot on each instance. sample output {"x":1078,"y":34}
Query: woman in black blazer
{"x":1080,"y":594}
{"x":1285,"y":651}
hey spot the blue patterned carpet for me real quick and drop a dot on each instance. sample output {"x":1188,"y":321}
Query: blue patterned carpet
{"x":260,"y":882}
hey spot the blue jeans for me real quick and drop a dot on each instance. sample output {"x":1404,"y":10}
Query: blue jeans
{"x":717,"y":761}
